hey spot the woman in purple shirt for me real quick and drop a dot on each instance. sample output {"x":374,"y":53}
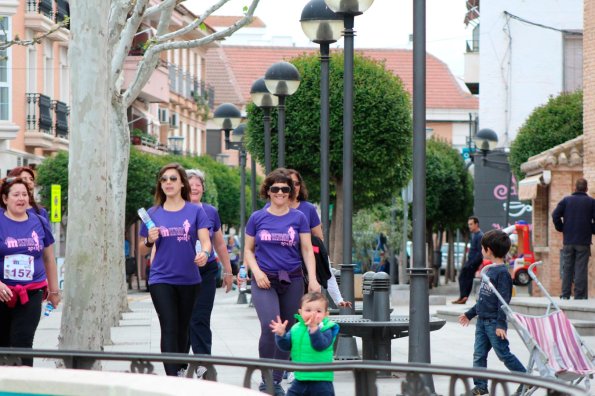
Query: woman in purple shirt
{"x":175,"y":278}
{"x":277,"y":237}
{"x":200,"y":324}
{"x":28,"y":272}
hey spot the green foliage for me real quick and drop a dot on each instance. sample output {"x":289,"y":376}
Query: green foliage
{"x":449,"y":187}
{"x":53,"y":170}
{"x":559,"y":120}
{"x":382,"y":128}
{"x":222,"y":184}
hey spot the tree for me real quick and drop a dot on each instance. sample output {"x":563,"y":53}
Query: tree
{"x":381,"y":140}
{"x":449,"y":196}
{"x":559,"y":120}
{"x":102,"y":34}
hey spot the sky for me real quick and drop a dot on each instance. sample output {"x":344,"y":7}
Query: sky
{"x":386,"y":24}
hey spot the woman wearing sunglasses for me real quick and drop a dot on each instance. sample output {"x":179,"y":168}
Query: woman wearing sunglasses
{"x":277,"y":237}
{"x":28,"y":272}
{"x":300,"y":202}
{"x":175,"y":278}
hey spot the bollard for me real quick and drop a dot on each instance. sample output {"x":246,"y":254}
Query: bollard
{"x":380,"y":291}
{"x":242,"y":297}
{"x":346,"y":345}
{"x":368,"y":295}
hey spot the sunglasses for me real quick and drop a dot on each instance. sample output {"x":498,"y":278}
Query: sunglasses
{"x":284,"y":189}
{"x":171,"y":179}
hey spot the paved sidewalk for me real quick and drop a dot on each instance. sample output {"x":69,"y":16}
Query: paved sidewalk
{"x":236,"y":331}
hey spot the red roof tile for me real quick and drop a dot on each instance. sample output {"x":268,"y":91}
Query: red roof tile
{"x":225,"y":21}
{"x":249,"y":63}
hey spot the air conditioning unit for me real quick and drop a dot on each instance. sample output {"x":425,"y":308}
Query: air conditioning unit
{"x":174,"y":120}
{"x":163,"y":115}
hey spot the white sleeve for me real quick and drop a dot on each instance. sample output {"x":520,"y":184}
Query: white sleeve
{"x":333,"y":289}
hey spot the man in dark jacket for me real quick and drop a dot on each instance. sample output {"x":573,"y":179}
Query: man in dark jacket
{"x":474,"y":260}
{"x":574,"y":217}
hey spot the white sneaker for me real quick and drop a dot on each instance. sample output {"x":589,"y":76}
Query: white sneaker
{"x":290,"y":377}
{"x":200,"y":371}
{"x":181,"y":372}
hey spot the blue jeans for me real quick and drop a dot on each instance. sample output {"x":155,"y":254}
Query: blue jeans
{"x":486,"y":339}
{"x":311,"y":388}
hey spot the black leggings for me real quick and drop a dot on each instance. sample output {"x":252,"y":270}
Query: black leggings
{"x":174,"y":304}
{"x":18,"y":324}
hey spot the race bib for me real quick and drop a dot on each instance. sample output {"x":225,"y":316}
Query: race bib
{"x":19,"y":267}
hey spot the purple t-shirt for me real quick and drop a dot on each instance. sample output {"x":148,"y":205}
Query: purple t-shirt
{"x":42,"y":212}
{"x":174,"y":257}
{"x":24,"y":242}
{"x":277,"y":239}
{"x":214,"y":225}
{"x":307,"y":209}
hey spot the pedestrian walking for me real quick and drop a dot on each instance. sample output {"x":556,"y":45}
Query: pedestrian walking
{"x":491,"y":326}
{"x":277,"y":237}
{"x":201,"y":337}
{"x":474,"y":260}
{"x":174,"y":280}
{"x":28,"y":271}
{"x":28,"y":176}
{"x":310,"y":340}
{"x":574,"y":217}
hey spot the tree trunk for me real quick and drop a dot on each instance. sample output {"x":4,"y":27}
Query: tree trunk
{"x":86,"y":251}
{"x":337,"y":225}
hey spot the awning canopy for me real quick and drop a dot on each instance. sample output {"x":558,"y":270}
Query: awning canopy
{"x":528,"y":186}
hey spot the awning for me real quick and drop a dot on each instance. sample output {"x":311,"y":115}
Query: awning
{"x":528,"y":186}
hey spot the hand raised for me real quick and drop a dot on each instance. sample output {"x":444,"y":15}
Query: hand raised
{"x":278,"y":327}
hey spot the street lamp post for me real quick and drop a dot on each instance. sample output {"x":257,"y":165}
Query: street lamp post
{"x":266,"y":101}
{"x":323,"y":27}
{"x":348,"y":10}
{"x":227,"y":117}
{"x":282,"y":79}
{"x":236,"y":142}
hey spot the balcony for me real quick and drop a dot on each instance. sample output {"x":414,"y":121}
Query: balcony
{"x":61,"y":112}
{"x":190,"y":88}
{"x":39,"y":121}
{"x":41,"y":17}
{"x":156,"y":90}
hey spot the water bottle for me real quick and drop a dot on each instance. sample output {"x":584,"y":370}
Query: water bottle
{"x":144,"y":216}
{"x":49,"y":307}
{"x":197,"y":246}
{"x":243,"y":278}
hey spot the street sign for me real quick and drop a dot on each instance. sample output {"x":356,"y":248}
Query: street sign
{"x":55,"y":206}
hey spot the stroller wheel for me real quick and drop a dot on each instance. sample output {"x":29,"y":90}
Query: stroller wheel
{"x":522,"y":278}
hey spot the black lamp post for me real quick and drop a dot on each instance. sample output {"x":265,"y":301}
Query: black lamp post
{"x":282,"y":79}
{"x":348,"y":9}
{"x":227,"y":117}
{"x":236,"y":142}
{"x":486,"y":140}
{"x":266,"y":101}
{"x":323,"y":27}
{"x":175,"y":144}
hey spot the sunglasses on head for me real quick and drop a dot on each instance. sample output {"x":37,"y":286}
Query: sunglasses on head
{"x":284,"y":189}
{"x":172,"y":178}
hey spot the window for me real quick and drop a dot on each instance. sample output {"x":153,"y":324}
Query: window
{"x":48,"y":69}
{"x":573,"y":62}
{"x":4,"y":70}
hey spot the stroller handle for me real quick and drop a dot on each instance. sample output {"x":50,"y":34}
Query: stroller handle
{"x":531,"y":269}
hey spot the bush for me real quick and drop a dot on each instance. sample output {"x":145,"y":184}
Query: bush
{"x":559,"y":120}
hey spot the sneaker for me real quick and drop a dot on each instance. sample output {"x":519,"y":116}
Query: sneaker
{"x":182,"y":372}
{"x":462,"y":300}
{"x":290,"y":378}
{"x":200,"y":371}
{"x":262,"y":387}
{"x":279,"y":391}
{"x":520,"y":391}
{"x":476,"y":391}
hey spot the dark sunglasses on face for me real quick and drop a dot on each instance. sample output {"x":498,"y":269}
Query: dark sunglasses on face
{"x":284,"y":189}
{"x":171,"y":179}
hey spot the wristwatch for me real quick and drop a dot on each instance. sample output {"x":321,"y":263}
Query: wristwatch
{"x":148,"y":244}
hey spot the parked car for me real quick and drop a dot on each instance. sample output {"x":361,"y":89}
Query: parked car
{"x":459,"y":251}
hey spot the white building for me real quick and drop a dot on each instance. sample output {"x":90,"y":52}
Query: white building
{"x":529,"y":51}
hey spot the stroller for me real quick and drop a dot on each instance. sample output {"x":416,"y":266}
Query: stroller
{"x":556,"y":349}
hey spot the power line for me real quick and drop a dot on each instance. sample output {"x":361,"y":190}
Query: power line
{"x":518,"y":18}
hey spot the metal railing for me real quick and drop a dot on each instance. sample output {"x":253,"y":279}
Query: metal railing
{"x":183,"y":84}
{"x":365,"y":373}
{"x":39,"y":113}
